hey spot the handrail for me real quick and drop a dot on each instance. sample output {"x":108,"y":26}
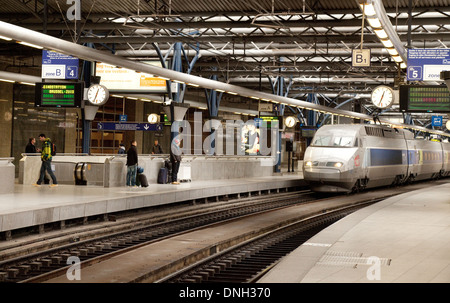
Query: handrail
{"x":188,"y":156}
{"x":58,"y":154}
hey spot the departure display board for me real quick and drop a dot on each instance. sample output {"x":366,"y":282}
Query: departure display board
{"x":424,"y":99}
{"x":59,"y":94}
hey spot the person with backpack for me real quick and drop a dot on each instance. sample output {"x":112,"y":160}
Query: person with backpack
{"x":48,"y":150}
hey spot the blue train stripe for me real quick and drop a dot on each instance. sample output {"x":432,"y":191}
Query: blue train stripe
{"x":383,"y":157}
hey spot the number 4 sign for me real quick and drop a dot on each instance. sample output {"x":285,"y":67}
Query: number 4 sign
{"x":361,"y":58}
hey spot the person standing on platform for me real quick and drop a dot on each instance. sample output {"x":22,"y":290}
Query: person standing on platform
{"x":46,"y":158}
{"x":175,"y":158}
{"x":157,"y":149}
{"x":31,"y":148}
{"x":132,"y":162}
{"x":121,"y":149}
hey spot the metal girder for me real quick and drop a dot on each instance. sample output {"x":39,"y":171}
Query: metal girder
{"x":262,"y":38}
{"x":259,"y":52}
{"x":186,"y":25}
{"x":209,"y":14}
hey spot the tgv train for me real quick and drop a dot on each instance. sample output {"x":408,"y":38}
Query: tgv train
{"x":346,"y":158}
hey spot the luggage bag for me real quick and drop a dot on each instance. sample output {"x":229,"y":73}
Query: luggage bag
{"x":162,"y":175}
{"x":143,"y":180}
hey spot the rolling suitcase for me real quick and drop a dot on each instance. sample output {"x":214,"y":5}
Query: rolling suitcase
{"x":143,"y":180}
{"x":168,"y":165}
{"x":162,"y":175}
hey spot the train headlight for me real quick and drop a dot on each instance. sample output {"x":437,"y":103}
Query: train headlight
{"x":338,"y":164}
{"x":308,"y":163}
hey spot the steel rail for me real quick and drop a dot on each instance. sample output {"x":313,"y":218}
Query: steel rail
{"x":249,"y":261}
{"x":46,"y":264}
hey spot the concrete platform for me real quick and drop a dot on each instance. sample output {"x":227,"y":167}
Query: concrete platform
{"x":33,"y":206}
{"x":401,"y":239}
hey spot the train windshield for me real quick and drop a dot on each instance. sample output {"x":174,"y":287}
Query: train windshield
{"x":330,"y":141}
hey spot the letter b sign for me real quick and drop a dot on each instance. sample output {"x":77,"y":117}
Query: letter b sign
{"x":361,"y":58}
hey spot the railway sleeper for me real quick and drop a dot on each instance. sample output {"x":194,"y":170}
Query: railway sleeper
{"x":35,"y":266}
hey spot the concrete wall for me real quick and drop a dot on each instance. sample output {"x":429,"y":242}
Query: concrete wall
{"x":110,"y":171}
{"x":7,"y":173}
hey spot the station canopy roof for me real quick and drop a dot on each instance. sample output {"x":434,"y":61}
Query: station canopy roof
{"x":244,"y":42}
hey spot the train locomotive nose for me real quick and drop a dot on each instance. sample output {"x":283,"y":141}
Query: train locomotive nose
{"x":330,"y":174}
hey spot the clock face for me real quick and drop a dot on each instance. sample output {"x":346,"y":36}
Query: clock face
{"x":382,"y":96}
{"x":152,"y":118}
{"x":290,"y":121}
{"x":98,"y":94}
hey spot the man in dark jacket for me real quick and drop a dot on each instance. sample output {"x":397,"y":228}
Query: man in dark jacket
{"x":157,"y":149}
{"x":132,"y":162}
{"x":175,"y":158}
{"x":31,"y":148}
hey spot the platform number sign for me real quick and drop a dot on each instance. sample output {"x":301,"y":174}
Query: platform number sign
{"x":361,"y":58}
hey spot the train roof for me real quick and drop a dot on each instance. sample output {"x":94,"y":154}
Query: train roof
{"x":371,"y":130}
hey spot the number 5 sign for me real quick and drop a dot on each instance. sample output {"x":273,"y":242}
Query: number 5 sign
{"x":361,"y":58}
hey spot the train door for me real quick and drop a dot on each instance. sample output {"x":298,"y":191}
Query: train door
{"x":365,"y":158}
{"x":413,"y":158}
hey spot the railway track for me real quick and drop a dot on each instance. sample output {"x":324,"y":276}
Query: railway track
{"x":249,"y":261}
{"x":43,"y":265}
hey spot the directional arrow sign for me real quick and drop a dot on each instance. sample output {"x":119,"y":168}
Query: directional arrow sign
{"x":129,"y":126}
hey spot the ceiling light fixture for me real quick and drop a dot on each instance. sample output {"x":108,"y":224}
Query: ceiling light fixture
{"x":382,"y":26}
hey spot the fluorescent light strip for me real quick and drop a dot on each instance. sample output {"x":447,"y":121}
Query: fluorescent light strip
{"x":397,"y":59}
{"x":387,"y":43}
{"x":374,"y":22}
{"x":392,"y":51}
{"x":10,"y":81}
{"x":381,"y":33}
{"x":30,"y":45}
{"x":368,"y":9}
{"x":5,"y":38}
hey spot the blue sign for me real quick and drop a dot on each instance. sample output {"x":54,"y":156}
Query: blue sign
{"x":123,"y":118}
{"x":258,"y":122}
{"x":129,"y":126}
{"x":436,"y":120}
{"x":426,"y":64}
{"x":59,"y":66}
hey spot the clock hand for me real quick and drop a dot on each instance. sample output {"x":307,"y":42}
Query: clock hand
{"x":95,"y":98}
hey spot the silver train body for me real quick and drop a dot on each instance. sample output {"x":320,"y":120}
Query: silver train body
{"x":346,"y":158}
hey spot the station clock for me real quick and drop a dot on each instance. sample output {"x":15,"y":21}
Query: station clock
{"x":290,"y":121}
{"x":383,"y":96}
{"x":97,"y":94}
{"x":153,"y":118}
